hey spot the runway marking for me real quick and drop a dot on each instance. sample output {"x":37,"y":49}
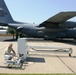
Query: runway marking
{"x":65,"y":64}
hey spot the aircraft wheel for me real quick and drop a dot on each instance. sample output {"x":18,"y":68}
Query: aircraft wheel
{"x":27,"y":52}
{"x":69,"y":54}
{"x":74,"y":39}
{"x":45,"y":39}
{"x":9,"y":66}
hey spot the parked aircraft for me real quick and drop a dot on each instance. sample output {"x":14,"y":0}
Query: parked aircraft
{"x":55,"y":27}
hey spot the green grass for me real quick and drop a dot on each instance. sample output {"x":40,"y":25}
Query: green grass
{"x":37,"y":74}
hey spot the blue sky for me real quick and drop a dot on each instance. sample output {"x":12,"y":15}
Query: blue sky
{"x":38,"y":11}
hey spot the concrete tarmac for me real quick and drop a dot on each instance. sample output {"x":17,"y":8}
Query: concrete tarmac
{"x":39,"y":62}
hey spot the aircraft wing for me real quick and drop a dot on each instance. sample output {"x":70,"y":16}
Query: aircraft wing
{"x":58,"y":18}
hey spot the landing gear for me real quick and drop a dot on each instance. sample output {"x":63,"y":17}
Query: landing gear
{"x":16,"y":34}
{"x":46,"y":39}
{"x":69,"y":54}
{"x":74,"y":38}
{"x":9,"y":66}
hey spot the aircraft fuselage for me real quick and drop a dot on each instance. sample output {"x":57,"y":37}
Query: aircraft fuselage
{"x":43,"y":32}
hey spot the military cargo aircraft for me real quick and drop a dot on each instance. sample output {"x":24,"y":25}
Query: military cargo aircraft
{"x":55,"y":27}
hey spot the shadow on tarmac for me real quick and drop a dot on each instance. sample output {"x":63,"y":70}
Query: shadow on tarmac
{"x":67,"y":41}
{"x":3,"y":67}
{"x":8,"y":40}
{"x":34,"y":59}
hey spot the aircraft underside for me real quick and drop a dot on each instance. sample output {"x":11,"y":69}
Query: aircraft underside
{"x":69,"y":33}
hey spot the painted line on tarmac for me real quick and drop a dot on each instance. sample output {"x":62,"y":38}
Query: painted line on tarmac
{"x":65,"y":64}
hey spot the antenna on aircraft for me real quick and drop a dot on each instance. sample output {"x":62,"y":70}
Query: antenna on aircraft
{"x":33,"y":22}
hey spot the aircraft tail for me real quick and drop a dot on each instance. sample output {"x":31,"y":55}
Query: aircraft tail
{"x":5,"y":16}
